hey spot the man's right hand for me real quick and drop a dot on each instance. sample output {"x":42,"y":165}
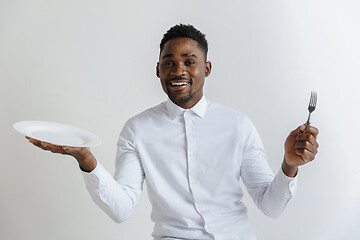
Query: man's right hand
{"x":83,"y":155}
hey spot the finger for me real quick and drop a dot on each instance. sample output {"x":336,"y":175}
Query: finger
{"x":35,"y":142}
{"x":32,"y":140}
{"x":52,"y":148}
{"x":307,"y":137}
{"x":305,"y":155}
{"x":300,"y":147}
{"x":312,"y":130}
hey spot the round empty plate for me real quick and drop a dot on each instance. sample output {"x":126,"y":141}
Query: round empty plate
{"x":57,"y":133}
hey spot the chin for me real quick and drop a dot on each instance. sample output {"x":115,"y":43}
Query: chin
{"x":181,"y":100}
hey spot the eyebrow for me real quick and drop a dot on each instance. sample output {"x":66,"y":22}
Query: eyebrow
{"x":183,"y":55}
{"x":189,"y":55}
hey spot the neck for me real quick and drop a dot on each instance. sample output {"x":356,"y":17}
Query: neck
{"x":189,"y":104}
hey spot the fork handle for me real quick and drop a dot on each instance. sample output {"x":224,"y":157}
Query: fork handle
{"x":308,"y":120}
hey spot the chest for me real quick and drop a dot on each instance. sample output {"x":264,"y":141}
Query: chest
{"x":202,"y":146}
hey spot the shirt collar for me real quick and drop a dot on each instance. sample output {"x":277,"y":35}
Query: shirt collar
{"x":174,"y":110}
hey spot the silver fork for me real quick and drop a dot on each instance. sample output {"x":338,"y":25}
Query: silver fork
{"x":312,"y":105}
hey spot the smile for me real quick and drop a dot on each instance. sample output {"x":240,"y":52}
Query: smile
{"x":178,"y":83}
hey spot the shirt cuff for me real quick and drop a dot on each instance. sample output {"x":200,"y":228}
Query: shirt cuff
{"x":96,"y":178}
{"x":290,"y":182}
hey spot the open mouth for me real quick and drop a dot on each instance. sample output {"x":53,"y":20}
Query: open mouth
{"x":178,"y":85}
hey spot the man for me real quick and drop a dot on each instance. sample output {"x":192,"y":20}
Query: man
{"x":192,"y":153}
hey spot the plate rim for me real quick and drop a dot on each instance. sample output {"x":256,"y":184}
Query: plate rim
{"x":96,"y":139}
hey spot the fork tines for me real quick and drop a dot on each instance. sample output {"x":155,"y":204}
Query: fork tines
{"x":312,"y":105}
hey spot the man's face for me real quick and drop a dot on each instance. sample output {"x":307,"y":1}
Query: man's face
{"x":182,"y":70}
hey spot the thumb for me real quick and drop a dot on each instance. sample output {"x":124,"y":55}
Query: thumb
{"x":298,"y":130}
{"x":68,"y":150}
{"x":77,"y":152}
{"x":65,"y":148}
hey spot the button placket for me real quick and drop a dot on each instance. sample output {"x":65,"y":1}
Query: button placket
{"x":189,"y":149}
{"x":189,"y":127}
{"x":190,"y":153}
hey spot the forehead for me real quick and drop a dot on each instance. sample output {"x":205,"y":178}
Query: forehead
{"x":181,"y":46}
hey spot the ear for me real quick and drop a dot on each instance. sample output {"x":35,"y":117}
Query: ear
{"x":207,"y":68}
{"x":157,"y":70}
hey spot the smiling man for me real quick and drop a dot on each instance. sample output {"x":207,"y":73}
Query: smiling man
{"x":182,"y":70}
{"x":192,"y":152}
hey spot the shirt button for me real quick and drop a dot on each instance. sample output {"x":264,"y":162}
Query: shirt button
{"x":191,"y":155}
{"x":189,"y":128}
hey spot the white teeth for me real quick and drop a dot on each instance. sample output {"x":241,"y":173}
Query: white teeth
{"x":178,"y":83}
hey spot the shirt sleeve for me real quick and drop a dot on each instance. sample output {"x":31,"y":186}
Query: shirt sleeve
{"x":118,"y":195}
{"x":271,"y":193}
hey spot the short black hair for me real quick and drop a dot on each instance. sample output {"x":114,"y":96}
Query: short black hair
{"x":185,"y":31}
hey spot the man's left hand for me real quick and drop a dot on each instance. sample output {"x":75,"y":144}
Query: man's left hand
{"x":300,"y":148}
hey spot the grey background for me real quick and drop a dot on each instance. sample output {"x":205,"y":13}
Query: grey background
{"x":92,"y":63}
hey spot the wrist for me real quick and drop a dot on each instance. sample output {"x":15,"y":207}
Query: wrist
{"x":289,"y":170}
{"x":87,"y":162}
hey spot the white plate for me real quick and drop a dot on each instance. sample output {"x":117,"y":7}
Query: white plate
{"x":57,"y":133}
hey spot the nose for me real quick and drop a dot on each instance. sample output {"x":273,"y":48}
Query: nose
{"x":178,"y":70}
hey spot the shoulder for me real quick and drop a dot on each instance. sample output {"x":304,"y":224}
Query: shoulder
{"x":230,"y":120}
{"x":147,"y":116}
{"x":226,"y":112}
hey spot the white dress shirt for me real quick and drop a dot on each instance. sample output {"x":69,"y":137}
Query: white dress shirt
{"x":192,"y":161}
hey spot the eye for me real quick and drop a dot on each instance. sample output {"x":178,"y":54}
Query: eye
{"x":167,"y":64}
{"x":190,"y":62}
